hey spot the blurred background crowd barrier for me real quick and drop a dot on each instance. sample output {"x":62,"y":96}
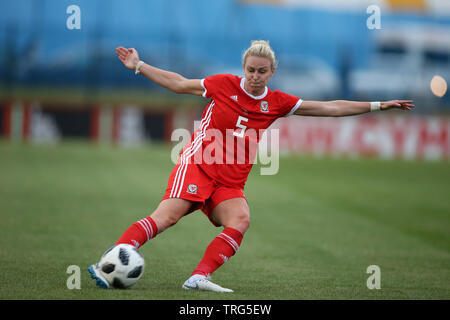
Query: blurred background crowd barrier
{"x":60,"y":77}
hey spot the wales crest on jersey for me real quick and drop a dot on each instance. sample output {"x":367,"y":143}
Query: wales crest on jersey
{"x":192,"y":188}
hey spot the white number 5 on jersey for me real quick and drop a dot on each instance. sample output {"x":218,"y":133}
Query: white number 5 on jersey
{"x":240,"y":134}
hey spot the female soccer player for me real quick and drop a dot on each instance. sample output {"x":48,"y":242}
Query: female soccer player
{"x":237,"y":106}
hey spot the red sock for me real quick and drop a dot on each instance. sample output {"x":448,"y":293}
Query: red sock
{"x":139,"y":232}
{"x":219,"y":251}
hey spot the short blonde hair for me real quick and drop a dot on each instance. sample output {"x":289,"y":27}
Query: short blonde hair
{"x":260,"y":48}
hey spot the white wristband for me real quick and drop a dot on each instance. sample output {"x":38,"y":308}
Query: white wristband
{"x":138,"y":66}
{"x":374,"y":106}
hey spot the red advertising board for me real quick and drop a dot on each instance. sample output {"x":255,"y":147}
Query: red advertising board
{"x":380,"y":135}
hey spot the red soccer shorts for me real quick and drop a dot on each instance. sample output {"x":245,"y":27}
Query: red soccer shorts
{"x":190,"y":182}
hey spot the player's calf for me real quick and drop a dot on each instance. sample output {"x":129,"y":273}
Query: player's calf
{"x":139,"y":232}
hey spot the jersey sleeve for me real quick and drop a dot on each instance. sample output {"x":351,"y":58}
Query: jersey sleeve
{"x":289,"y":104}
{"x":212,"y":84}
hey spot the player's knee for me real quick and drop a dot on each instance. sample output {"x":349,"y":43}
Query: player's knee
{"x":240,"y":222}
{"x":245,"y":224}
{"x":165,"y":220}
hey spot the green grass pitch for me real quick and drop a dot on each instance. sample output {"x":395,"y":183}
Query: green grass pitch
{"x":316,"y":226}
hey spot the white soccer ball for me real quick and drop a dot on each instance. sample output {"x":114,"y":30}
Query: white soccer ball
{"x":122,"y":266}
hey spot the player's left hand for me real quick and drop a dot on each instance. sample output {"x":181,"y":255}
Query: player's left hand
{"x":399,"y":104}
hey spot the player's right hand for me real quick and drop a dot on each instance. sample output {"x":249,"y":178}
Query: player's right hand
{"x":129,"y":57}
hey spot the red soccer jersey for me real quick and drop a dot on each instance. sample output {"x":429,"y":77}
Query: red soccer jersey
{"x":224,"y":145}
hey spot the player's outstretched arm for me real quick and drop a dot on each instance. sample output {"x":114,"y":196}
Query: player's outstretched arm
{"x":341,"y":108}
{"x":170,"y":80}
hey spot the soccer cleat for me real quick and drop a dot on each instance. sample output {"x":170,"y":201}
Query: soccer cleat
{"x":200,"y":282}
{"x":95,"y":274}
